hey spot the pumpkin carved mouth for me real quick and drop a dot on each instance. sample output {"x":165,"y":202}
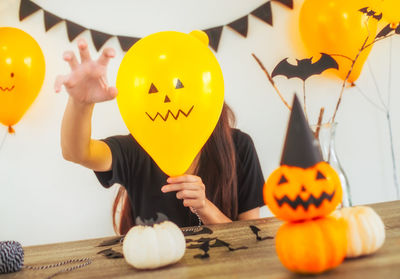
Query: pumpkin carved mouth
{"x":175,"y":116}
{"x":305,"y":203}
{"x":6,"y":88}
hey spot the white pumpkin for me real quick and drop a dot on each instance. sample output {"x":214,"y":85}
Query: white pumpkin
{"x":149,"y":247}
{"x":365,"y":230}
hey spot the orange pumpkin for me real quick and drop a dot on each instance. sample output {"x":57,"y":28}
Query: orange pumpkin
{"x":312,"y":246}
{"x":295,"y":193}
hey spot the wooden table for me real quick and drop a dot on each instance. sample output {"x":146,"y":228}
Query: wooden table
{"x":258,"y":261}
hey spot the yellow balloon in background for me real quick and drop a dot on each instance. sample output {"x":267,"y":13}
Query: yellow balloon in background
{"x":337,"y":27}
{"x":390,"y":10}
{"x":22,"y":69}
{"x":171,"y":93}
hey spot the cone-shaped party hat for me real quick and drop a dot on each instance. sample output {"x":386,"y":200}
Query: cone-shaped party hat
{"x":301,"y":149}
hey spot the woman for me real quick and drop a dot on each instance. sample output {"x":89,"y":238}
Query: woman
{"x":224,"y":182}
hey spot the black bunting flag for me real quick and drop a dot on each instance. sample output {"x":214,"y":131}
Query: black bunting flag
{"x":264,"y":12}
{"x":99,"y":38}
{"x":127,"y":42}
{"x":50,"y":20}
{"x":73,"y":30}
{"x":214,"y":35}
{"x":240,"y":25}
{"x":287,"y":3}
{"x":27,"y":8}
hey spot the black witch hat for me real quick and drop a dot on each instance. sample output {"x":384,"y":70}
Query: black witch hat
{"x":301,"y":149}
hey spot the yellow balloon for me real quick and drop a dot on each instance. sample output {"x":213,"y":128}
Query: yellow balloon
{"x":171,"y":93}
{"x":22,"y":69}
{"x":338,"y":28}
{"x":390,"y":10}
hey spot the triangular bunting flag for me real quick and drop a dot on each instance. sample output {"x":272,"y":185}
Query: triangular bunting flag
{"x":264,"y":12}
{"x":27,"y":8}
{"x":240,"y":25}
{"x":301,"y":149}
{"x":287,"y":3}
{"x":50,"y":20}
{"x":214,"y":35}
{"x":73,"y":30}
{"x":127,"y":42}
{"x":99,"y":38}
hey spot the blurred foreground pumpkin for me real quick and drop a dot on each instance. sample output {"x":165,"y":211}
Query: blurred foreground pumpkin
{"x":312,"y":246}
{"x":365,"y":230}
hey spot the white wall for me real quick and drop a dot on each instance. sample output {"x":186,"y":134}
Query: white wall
{"x":45,"y":199}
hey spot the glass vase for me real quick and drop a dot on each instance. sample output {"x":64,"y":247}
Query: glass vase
{"x":325,"y":134}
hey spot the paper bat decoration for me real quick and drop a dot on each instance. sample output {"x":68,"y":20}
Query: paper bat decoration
{"x":218,"y":243}
{"x":256,"y":230}
{"x":205,"y":247}
{"x":204,"y":230}
{"x":221,"y":243}
{"x":112,"y":241}
{"x":370,"y":12}
{"x":200,"y":242}
{"x":305,"y":68}
{"x":111,"y":254}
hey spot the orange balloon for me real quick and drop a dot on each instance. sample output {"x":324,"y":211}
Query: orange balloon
{"x":338,"y":28}
{"x":22,"y":69}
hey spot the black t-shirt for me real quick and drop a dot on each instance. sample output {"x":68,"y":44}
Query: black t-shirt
{"x":133,"y":168}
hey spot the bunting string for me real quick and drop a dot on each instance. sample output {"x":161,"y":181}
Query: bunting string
{"x":240,"y":25}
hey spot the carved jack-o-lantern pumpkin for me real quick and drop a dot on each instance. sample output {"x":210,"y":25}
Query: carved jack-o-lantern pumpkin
{"x":295,"y":193}
{"x":304,"y":186}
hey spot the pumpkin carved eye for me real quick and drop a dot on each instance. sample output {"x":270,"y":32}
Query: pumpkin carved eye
{"x":282,"y":180}
{"x":320,"y":176}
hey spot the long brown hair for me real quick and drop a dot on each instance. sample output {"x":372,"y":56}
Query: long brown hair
{"x":217,"y":169}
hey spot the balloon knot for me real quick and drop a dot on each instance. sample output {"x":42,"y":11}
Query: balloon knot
{"x":11,"y":130}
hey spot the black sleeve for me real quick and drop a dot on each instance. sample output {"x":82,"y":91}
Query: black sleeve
{"x":250,"y":176}
{"x":124,"y":152}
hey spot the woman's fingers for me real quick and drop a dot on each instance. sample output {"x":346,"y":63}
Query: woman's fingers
{"x":112,"y":92}
{"x":83,"y":50}
{"x":70,"y":57}
{"x":182,"y":186}
{"x":190,"y":194}
{"x":184,"y":178}
{"x":105,"y":56}
{"x":60,"y":80}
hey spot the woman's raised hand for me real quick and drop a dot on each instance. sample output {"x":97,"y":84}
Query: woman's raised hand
{"x":87,"y":82}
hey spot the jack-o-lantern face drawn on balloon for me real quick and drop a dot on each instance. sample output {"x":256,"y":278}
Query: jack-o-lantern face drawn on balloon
{"x":294,"y":193}
{"x":164,"y":117}
{"x":11,"y":85}
{"x":171,"y":93}
{"x":22,"y":70}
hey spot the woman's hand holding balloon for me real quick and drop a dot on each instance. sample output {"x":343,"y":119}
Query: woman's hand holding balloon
{"x":192,"y":191}
{"x":87,"y":83}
